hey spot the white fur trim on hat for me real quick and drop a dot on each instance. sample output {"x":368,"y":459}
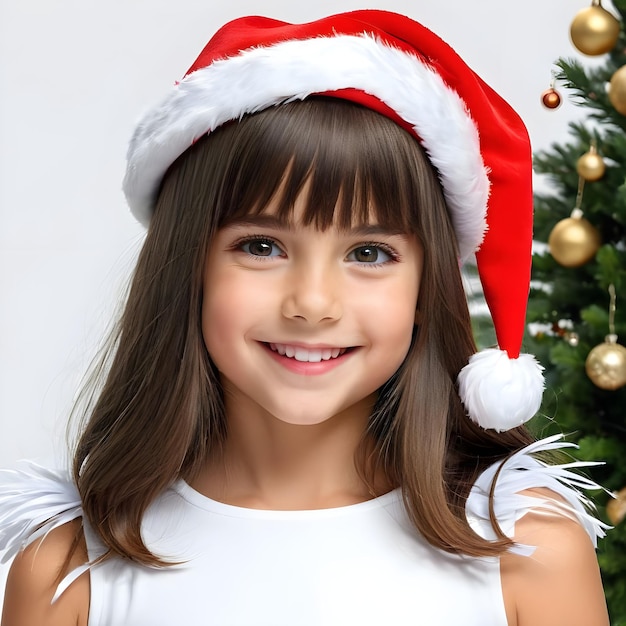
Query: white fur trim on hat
{"x":260,"y":77}
{"x":498,"y":392}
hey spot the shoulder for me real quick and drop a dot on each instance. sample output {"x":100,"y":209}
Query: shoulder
{"x":559,"y":584}
{"x":35,"y":574}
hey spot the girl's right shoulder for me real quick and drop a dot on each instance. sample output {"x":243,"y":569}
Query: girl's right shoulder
{"x":35,"y":575}
{"x":41,"y":526}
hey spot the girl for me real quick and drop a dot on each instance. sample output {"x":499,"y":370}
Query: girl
{"x":279,"y":436}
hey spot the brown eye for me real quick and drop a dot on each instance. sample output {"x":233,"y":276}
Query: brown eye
{"x":371,"y":254}
{"x":366,"y":254}
{"x":261,"y":247}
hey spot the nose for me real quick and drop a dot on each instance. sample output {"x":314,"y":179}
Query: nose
{"x":313,"y":294}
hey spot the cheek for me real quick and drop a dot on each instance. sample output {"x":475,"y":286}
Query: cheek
{"x":393,"y":324}
{"x":221,"y":309}
{"x":231,"y":307}
{"x":400,"y":335}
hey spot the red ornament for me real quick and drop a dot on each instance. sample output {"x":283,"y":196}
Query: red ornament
{"x":551,"y":98}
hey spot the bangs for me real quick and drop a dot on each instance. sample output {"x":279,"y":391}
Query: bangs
{"x":354,"y":165}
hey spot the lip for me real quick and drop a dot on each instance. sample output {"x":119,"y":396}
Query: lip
{"x":306,"y":368}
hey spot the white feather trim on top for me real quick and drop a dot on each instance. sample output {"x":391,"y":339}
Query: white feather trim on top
{"x":521,"y":472}
{"x":260,"y":77}
{"x":33,"y":501}
{"x":499,"y":392}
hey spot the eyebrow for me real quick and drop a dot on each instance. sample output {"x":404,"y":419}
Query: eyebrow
{"x":271,"y":221}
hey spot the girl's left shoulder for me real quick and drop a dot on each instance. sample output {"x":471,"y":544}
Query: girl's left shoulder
{"x":551,"y":575}
{"x":559,"y":583}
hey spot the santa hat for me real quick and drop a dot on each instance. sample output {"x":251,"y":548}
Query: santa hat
{"x":397,"y":67}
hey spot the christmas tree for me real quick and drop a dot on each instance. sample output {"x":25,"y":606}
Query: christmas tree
{"x":579,"y":280}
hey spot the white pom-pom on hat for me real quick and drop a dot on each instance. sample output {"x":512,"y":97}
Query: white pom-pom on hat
{"x":498,"y":392}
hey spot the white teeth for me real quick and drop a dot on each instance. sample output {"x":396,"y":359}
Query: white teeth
{"x":313,"y":355}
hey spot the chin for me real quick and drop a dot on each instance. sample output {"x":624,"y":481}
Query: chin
{"x":341,"y":413}
{"x":304,"y":418}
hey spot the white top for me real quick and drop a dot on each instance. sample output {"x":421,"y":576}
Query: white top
{"x":360,"y":564}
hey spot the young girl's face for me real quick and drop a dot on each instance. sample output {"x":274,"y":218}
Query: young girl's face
{"x":304,"y":324}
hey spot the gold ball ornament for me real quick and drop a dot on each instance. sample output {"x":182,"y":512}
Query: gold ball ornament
{"x":591,"y":166}
{"x":551,"y":98}
{"x":616,"y":508}
{"x":574,"y":241}
{"x":594,"y":30}
{"x":606,"y":364}
{"x":617,"y":90}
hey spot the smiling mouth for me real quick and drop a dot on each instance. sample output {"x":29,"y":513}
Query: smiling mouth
{"x":306,"y":355}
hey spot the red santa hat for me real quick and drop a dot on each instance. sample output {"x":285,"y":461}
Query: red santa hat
{"x":397,"y":67}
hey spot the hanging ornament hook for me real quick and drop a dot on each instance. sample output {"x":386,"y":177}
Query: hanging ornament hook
{"x":553,"y":79}
{"x":577,"y":213}
{"x":612,"y":309}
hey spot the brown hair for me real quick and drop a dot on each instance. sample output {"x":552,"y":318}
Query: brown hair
{"x":158,"y":412}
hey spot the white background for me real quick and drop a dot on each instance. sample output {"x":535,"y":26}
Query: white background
{"x":74,"y":76}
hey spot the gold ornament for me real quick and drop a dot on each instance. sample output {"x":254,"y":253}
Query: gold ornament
{"x":594,"y":30}
{"x":551,"y":98}
{"x":606,"y":364}
{"x":616,"y":508}
{"x":574,"y":241}
{"x":617,"y":90}
{"x":591,"y":165}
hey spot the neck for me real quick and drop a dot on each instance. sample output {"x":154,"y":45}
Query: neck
{"x":267,"y":463}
